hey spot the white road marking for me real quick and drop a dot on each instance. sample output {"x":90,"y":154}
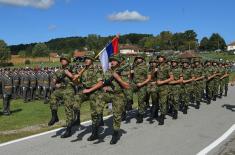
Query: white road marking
{"x":218,"y":141}
{"x":44,"y":133}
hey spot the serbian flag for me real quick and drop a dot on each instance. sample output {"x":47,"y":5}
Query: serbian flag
{"x":108,"y":51}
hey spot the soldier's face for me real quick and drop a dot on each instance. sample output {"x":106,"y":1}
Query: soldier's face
{"x":114,"y":63}
{"x":186,"y":64}
{"x":174,"y":63}
{"x":139,"y":60}
{"x":88,"y":62}
{"x":64,"y":62}
{"x":161,"y":59}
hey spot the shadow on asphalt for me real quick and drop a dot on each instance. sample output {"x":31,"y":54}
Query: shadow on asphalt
{"x":229,"y":107}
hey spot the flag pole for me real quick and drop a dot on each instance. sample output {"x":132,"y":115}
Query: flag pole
{"x":117,"y":36}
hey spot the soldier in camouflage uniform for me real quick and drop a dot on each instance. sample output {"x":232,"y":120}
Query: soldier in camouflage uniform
{"x":114,"y":86}
{"x":39,"y":88}
{"x":152,"y":88}
{"x":7,"y":89}
{"x":175,"y":86}
{"x":187,"y":84}
{"x":91,"y":82}
{"x":25,"y":85}
{"x":63,"y":91}
{"x":46,"y":86}
{"x":139,"y":84}
{"x":198,"y":82}
{"x":164,"y":76}
{"x":226,"y":79}
{"x":216,"y":80}
{"x":32,"y":86}
{"x":16,"y":84}
{"x":126,"y":76}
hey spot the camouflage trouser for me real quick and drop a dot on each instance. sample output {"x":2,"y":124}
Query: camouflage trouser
{"x":67,"y":95}
{"x":25,"y":91}
{"x":153,"y":93}
{"x":209,"y":89}
{"x":222,"y":86}
{"x":197,"y":90}
{"x":118,"y":106}
{"x":163,"y":96}
{"x":186,"y":91}
{"x":128,"y":99}
{"x":94,"y":99}
{"x":216,"y":85}
{"x":141,"y":95}
{"x":175,"y":92}
{"x":226,"y":84}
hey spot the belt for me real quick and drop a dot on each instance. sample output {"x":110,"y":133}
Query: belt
{"x":6,"y":87}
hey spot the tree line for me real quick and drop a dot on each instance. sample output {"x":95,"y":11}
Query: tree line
{"x":166,"y":40}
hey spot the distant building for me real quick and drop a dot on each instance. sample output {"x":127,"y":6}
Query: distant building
{"x":129,"y":49}
{"x":231,"y":47}
{"x":53,"y":55}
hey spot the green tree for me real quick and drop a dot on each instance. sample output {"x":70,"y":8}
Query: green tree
{"x":204,"y":44}
{"x":216,"y":42}
{"x":40,"y":50}
{"x":5,"y":54}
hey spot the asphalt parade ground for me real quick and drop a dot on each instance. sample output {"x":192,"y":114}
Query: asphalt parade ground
{"x":209,"y":130}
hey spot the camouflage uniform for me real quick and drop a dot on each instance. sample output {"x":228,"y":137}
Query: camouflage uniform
{"x":197,"y":85}
{"x":175,"y":89}
{"x":32,"y":86}
{"x":153,"y":89}
{"x":186,"y":87}
{"x":7,"y":89}
{"x":140,"y":75}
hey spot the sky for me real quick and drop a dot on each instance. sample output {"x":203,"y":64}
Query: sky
{"x":27,"y":21}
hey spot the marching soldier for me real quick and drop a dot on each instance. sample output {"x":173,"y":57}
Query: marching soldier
{"x":187,"y":84}
{"x":114,"y":86}
{"x":175,"y":86}
{"x":139,"y":83}
{"x":198,"y":81}
{"x":152,"y":88}
{"x":164,"y":76}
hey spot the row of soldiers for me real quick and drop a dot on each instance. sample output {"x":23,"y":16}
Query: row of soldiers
{"x":172,"y":83}
{"x":27,"y":84}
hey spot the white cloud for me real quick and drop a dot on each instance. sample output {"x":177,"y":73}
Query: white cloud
{"x":52,"y":27}
{"x":128,"y":16}
{"x":42,"y":4}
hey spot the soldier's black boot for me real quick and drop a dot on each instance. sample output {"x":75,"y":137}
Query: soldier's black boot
{"x":77,"y":121}
{"x":94,"y":134}
{"x":226,"y":93}
{"x":197,"y":105}
{"x":175,"y":114}
{"x":139,"y":118}
{"x":68,"y":132}
{"x":6,"y":106}
{"x":123,"y":115}
{"x":54,"y":118}
{"x":129,"y":105}
{"x":156,"y":113}
{"x":185,"y":109}
{"x":153,"y":112}
{"x":101,"y":120}
{"x":161,"y":119}
{"x":208,"y":100}
{"x":115,"y":137}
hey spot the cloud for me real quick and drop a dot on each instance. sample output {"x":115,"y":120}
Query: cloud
{"x":127,"y":16}
{"x":42,"y":4}
{"x":52,"y":27}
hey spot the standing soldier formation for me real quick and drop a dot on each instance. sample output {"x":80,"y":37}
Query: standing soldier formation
{"x":171,"y":83}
